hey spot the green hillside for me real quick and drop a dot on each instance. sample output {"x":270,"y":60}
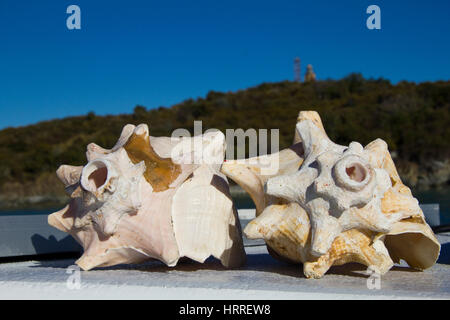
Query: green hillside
{"x":414,"y":119}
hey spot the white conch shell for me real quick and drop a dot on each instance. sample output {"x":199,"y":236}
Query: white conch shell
{"x":344,"y":204}
{"x":134,"y":202}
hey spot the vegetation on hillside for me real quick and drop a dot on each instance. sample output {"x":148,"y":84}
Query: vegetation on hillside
{"x":414,"y":119}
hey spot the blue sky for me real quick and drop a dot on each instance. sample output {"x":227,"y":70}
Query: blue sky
{"x":158,"y":53}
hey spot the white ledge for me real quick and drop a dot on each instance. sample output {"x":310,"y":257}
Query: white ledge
{"x":262,"y":278}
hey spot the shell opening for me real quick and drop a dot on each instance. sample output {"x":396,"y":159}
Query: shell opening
{"x":352,"y":173}
{"x":98,"y":177}
{"x":356,"y":172}
{"x":95,"y":175}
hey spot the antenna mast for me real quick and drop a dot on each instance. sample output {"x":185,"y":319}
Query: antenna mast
{"x":297,"y":69}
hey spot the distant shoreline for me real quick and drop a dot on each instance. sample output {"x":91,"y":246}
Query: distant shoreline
{"x":47,"y":202}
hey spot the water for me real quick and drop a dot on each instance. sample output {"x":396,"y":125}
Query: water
{"x":242,"y":201}
{"x":441,"y":196}
{"x":27,"y":212}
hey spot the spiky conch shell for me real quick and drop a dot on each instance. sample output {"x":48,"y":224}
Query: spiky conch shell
{"x":383,"y":231}
{"x":151,"y":198}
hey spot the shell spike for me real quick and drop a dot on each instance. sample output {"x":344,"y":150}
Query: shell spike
{"x":69,"y":175}
{"x":94,"y":151}
{"x":142,"y":129}
{"x":56,"y":219}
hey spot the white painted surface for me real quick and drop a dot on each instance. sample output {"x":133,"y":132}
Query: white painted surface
{"x":246,"y":214}
{"x":262,"y":278}
{"x":45,"y":291}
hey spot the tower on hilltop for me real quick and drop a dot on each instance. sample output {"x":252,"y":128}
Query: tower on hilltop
{"x":310,"y":76}
{"x":297,"y":75}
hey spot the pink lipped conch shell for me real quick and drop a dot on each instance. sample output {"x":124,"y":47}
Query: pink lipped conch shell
{"x":151,"y":198}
